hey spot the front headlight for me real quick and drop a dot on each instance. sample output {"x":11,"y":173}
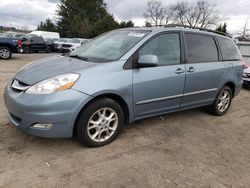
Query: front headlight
{"x":51,"y":85}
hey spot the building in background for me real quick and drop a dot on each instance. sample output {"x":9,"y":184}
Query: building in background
{"x":244,"y":48}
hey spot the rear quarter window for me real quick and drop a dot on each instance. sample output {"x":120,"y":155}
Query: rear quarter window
{"x":228,"y":49}
{"x":201,"y":48}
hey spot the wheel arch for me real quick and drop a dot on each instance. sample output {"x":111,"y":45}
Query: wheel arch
{"x":6,"y":45}
{"x":120,"y":100}
{"x":232,"y":86}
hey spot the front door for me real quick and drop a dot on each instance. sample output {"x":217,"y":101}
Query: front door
{"x":159,"y":89}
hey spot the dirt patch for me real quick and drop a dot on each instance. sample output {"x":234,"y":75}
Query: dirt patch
{"x":184,"y":149}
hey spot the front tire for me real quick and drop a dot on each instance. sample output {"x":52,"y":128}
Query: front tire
{"x":100,"y":123}
{"x":222,"y":102}
{"x":5,"y":53}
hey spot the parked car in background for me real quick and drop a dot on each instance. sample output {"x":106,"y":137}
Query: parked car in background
{"x":8,"y":46}
{"x":46,"y":34}
{"x":58,"y":43}
{"x":99,"y":87}
{"x":246,"y":78}
{"x":11,"y":34}
{"x":34,"y":43}
{"x":71,"y":44}
{"x":50,"y":42}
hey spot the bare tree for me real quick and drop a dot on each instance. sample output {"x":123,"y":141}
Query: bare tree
{"x":202,"y":14}
{"x":168,"y":14}
{"x":180,"y":10}
{"x":155,"y":12}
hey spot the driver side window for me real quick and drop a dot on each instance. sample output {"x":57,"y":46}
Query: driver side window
{"x":166,"y":47}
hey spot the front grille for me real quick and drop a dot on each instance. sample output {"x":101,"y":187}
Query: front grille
{"x":66,"y":45}
{"x":19,"y":86}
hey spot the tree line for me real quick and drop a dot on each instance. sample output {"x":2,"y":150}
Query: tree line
{"x":82,"y":18}
{"x":90,"y":18}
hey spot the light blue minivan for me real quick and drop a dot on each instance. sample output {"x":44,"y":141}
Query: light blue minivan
{"x":123,"y":76}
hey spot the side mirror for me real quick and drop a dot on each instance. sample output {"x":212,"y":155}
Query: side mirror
{"x":148,"y":61}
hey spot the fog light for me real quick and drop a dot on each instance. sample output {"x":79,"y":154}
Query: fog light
{"x":42,"y":125}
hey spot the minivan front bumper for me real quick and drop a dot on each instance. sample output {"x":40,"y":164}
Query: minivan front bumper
{"x":59,"y":109}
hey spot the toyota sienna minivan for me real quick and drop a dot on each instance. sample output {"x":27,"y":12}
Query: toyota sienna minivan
{"x":123,"y":76}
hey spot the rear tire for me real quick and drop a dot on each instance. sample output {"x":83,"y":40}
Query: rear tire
{"x":26,"y":50}
{"x":48,"y":49}
{"x":222,"y":102}
{"x":100,"y":123}
{"x":5,"y":53}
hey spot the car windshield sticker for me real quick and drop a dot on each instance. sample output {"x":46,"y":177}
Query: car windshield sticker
{"x":136,"y":34}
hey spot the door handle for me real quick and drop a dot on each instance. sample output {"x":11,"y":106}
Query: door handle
{"x":179,"y":71}
{"x":191,"y":69}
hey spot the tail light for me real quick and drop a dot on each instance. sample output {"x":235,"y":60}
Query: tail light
{"x":19,"y":43}
{"x":243,"y":64}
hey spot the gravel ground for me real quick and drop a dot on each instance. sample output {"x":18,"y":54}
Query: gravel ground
{"x":184,"y":149}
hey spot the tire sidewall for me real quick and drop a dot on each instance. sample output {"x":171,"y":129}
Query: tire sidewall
{"x":26,"y":50}
{"x":48,"y":49}
{"x":9,"y":53}
{"x":87,"y":114}
{"x":218,"y":98}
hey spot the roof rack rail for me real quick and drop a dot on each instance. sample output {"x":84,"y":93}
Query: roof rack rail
{"x":199,"y":28}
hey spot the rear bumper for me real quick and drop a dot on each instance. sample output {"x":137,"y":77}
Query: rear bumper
{"x":59,"y":109}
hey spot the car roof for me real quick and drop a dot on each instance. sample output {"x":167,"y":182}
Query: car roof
{"x":162,"y":29}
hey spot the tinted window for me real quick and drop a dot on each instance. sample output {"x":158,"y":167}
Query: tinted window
{"x":36,"y":39}
{"x":40,"y":39}
{"x":166,"y":47}
{"x":228,"y":49}
{"x":201,"y":48}
{"x":33,"y":39}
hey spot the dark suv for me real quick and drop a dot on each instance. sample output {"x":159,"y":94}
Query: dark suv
{"x":33,"y":43}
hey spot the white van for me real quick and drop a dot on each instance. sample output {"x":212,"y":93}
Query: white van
{"x":46,"y":34}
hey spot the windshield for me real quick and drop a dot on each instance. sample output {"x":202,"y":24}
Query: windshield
{"x":110,"y":46}
{"x":62,"y":40}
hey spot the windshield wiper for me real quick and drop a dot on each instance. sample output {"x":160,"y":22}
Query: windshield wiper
{"x":79,"y":57}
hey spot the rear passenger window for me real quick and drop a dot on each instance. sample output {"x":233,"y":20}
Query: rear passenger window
{"x":228,"y":49}
{"x":166,"y":47}
{"x":201,"y":48}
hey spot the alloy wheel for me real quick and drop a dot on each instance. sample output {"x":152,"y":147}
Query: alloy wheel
{"x":102,"y":124}
{"x":4,"y":53}
{"x":224,"y":101}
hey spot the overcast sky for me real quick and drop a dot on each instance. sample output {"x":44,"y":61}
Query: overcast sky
{"x":29,"y":13}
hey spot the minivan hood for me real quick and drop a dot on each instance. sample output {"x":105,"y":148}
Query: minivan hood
{"x":49,"y":67}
